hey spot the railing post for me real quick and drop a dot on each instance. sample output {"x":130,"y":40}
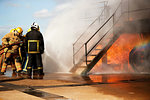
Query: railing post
{"x":73,"y":55}
{"x":86,"y":53}
{"x":121,"y":6}
{"x":128,"y":9}
{"x":113,"y":25}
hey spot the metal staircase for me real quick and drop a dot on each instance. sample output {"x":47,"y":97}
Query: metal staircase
{"x":88,"y":53}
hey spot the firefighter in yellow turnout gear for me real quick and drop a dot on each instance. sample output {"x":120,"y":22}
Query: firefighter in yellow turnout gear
{"x":12,"y":52}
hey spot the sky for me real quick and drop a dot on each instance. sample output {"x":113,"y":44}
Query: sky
{"x":22,"y":13}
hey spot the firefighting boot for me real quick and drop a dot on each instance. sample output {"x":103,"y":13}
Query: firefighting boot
{"x":35,"y":72}
{"x":24,"y":72}
{"x":29,"y":72}
{"x":40,"y":71}
{"x":14,"y":74}
{"x":40,"y":76}
{"x":14,"y":71}
{"x":19,"y":71}
{"x":1,"y":73}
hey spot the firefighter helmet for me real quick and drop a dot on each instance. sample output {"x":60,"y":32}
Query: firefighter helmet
{"x":19,"y":30}
{"x":35,"y":26}
{"x":12,"y":30}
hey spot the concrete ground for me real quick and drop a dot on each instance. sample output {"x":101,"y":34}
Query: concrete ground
{"x":72,"y":87}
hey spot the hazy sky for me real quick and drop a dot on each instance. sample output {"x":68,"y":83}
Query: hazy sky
{"x":22,"y":13}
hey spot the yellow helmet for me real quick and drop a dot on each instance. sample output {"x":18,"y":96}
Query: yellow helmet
{"x":19,"y":30}
{"x":12,"y":30}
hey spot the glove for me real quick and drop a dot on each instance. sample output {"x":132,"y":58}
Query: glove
{"x":11,"y":42}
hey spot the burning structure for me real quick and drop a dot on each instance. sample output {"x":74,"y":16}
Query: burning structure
{"x":120,"y":42}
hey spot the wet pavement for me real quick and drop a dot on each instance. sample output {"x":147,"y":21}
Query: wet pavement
{"x":59,"y":86}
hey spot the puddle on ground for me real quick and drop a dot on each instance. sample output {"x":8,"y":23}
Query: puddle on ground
{"x":41,"y":94}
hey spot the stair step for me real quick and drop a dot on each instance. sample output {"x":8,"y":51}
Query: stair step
{"x":78,"y":67}
{"x":97,"y":49}
{"x":93,"y":55}
{"x":89,"y":60}
{"x":88,"y":63}
{"x":83,"y":64}
{"x":79,"y":70}
{"x":90,"y":57}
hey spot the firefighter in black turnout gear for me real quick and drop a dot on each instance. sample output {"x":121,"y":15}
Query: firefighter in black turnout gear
{"x":34,"y":48}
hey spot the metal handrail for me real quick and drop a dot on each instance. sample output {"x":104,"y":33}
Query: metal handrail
{"x":99,"y":29}
{"x":74,"y":53}
{"x":110,"y":28}
{"x":90,"y":25}
{"x":98,"y":18}
{"x":104,"y":24}
{"x":86,"y":53}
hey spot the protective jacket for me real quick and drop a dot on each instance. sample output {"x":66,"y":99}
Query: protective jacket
{"x":11,"y":38}
{"x":34,"y":42}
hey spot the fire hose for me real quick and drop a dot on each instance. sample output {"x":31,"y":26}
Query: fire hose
{"x":8,"y":46}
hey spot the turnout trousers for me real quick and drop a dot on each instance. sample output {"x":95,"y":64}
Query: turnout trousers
{"x":34,"y":64}
{"x":13,"y":58}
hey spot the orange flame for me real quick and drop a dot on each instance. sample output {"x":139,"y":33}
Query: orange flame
{"x":118,"y":54}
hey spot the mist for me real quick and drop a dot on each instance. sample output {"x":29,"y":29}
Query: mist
{"x":70,"y":20}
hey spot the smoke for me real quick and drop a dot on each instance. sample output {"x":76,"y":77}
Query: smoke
{"x":137,"y":15}
{"x":70,"y":19}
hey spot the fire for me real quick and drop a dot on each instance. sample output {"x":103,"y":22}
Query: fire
{"x":130,"y":19}
{"x":109,"y":78}
{"x":118,"y":54}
